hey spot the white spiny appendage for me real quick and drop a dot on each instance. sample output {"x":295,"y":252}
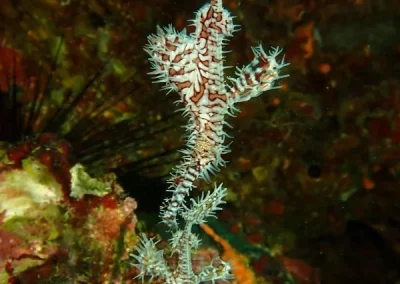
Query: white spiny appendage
{"x":258,"y":76}
{"x":150,"y":260}
{"x":212,"y":272}
{"x":205,"y":207}
{"x":192,"y":66}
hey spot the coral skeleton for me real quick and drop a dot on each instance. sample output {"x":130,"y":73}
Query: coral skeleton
{"x":192,"y":65}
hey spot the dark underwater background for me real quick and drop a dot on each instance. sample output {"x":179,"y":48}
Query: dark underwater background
{"x":313,"y":177}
